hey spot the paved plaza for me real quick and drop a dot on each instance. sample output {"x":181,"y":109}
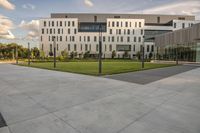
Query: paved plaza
{"x":43,"y":101}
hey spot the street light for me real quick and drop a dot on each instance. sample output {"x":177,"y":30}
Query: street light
{"x":100,"y":49}
{"x":177,"y":54}
{"x":143,"y":52}
{"x":54,"y":50}
{"x":29,"y":54}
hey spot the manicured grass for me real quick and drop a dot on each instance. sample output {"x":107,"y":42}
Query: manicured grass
{"x":91,"y":68}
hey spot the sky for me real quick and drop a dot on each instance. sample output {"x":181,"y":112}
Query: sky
{"x":19,"y":18}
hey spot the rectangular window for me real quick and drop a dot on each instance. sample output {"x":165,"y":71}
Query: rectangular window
{"x":86,"y":47}
{"x":97,"y":47}
{"x":135,"y":39}
{"x":140,"y":24}
{"x":61,"y":38}
{"x":81,"y":47}
{"x":117,"y":24}
{"x":52,"y":23}
{"x":113,"y":24}
{"x":122,"y":39}
{"x":58,"y":31}
{"x":74,"y":31}
{"x":51,"y":48}
{"x":74,"y":47}
{"x":42,"y":46}
{"x":104,"y":38}
{"x":73,"y":23}
{"x":66,"y":38}
{"x":41,"y":38}
{"x":128,"y":32}
{"x":80,"y":38}
{"x":136,"y":24}
{"x":60,"y":23}
{"x":57,"y":47}
{"x":158,"y":19}
{"x":126,"y":24}
{"x":68,"y":47}
{"x":174,"y":25}
{"x":128,"y":39}
{"x":142,"y":32}
{"x":113,"y":39}
{"x":120,"y":31}
{"x":152,"y":48}
{"x":110,"y":47}
{"x":183,"y":25}
{"x":73,"y":38}
{"x":133,"y":31}
{"x":45,"y":23}
{"x":134,"y":48}
{"x":42,"y":31}
{"x":139,"y":39}
{"x":88,"y":38}
{"x":95,"y":18}
{"x":68,"y":31}
{"x":147,"y":48}
{"x":110,"y":31}
{"x":69,"y":23}
{"x":95,"y":39}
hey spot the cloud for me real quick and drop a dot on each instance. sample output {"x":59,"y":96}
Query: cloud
{"x":6,"y":4}
{"x":5,"y":26}
{"x":28,"y":6}
{"x":88,"y":3}
{"x":185,"y":7}
{"x":32,"y":27}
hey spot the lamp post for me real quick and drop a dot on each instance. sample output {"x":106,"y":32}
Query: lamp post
{"x":29,"y":54}
{"x":16,"y":54}
{"x":100,"y":49}
{"x":143,"y":52}
{"x":177,"y":54}
{"x":54,"y":50}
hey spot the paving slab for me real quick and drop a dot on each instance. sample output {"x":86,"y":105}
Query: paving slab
{"x":148,"y":76}
{"x":43,"y":101}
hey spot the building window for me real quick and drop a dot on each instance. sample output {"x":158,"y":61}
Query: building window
{"x":95,"y":18}
{"x":58,"y":31}
{"x":113,"y":24}
{"x":52,"y":23}
{"x":45,"y":23}
{"x":135,"y":39}
{"x":183,"y":25}
{"x":41,"y":38}
{"x":128,"y":32}
{"x":42,"y":31}
{"x":86,"y":47}
{"x":181,"y":18}
{"x":113,"y":39}
{"x":57,"y":47}
{"x":68,"y":23}
{"x":80,"y":38}
{"x":136,"y":24}
{"x":104,"y":38}
{"x":90,"y":47}
{"x":74,"y":31}
{"x":97,"y":47}
{"x":126,"y":24}
{"x":66,"y":16}
{"x":110,"y":47}
{"x":68,"y":47}
{"x":134,"y":48}
{"x":74,"y":47}
{"x":88,"y":38}
{"x":110,"y":31}
{"x":117,"y":24}
{"x":122,"y":39}
{"x":158,"y":19}
{"x":51,"y":49}
{"x":109,"y":24}
{"x":133,"y":31}
{"x":124,"y":32}
{"x":142,"y":32}
{"x":81,"y":47}
{"x":66,"y":38}
{"x":61,"y":38}
{"x":120,"y":31}
{"x":140,"y":24}
{"x":116,"y":16}
{"x":73,"y":23}
{"x":139,"y":39}
{"x":147,"y":48}
{"x":152,"y":48}
{"x":174,"y":25}
{"x":68,"y":31}
{"x":60,"y":23}
{"x":95,"y":38}
{"x":73,"y":38}
{"x":42,"y":46}
{"x":128,"y":39}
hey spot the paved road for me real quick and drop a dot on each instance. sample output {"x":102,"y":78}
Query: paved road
{"x":42,"y":101}
{"x":148,"y":76}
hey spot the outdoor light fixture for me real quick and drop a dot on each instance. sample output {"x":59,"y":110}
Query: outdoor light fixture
{"x":143,"y":52}
{"x":54,"y":50}
{"x":100,"y":49}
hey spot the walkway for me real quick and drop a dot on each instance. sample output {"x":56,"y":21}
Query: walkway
{"x":42,"y":101}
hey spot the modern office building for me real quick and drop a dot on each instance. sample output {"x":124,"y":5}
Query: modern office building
{"x":183,"y":44}
{"x":120,"y":32}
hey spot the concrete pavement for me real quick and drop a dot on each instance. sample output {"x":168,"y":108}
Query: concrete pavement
{"x":42,"y":101}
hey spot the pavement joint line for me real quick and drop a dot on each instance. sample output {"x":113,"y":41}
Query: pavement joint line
{"x":145,"y":114}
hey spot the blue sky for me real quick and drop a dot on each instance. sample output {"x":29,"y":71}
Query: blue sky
{"x":19,"y":17}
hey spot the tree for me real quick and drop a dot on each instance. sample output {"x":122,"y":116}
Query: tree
{"x":50,"y":53}
{"x":150,"y":55}
{"x":138,"y":55}
{"x":36,"y":52}
{"x":64,"y":53}
{"x":113,"y":54}
{"x":125,"y":54}
{"x":87,"y":54}
{"x":72,"y":55}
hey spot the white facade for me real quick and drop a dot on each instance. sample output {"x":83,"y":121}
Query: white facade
{"x":120,"y":35}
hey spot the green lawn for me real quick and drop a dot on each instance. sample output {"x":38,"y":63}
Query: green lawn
{"x":91,"y":68}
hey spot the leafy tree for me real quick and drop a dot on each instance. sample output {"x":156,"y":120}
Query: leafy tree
{"x":113,"y":54}
{"x":87,"y":54}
